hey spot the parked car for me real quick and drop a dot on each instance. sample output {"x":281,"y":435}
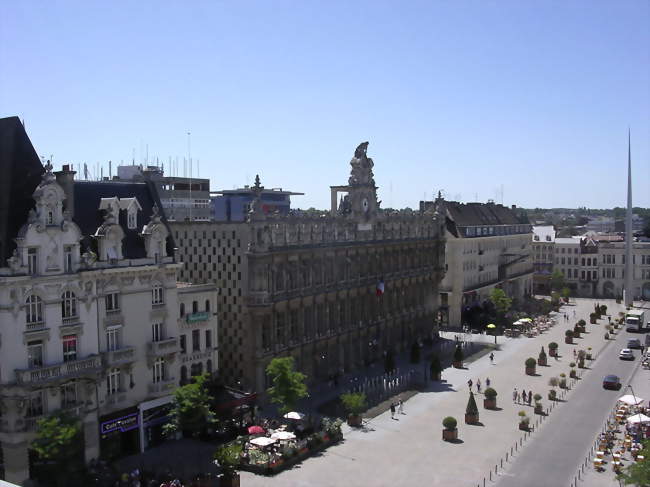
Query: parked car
{"x":611,"y":382}
{"x":634,"y":343}
{"x":626,"y":354}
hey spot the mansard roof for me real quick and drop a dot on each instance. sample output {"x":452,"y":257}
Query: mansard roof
{"x":21,"y":172}
{"x":476,"y":214}
{"x":89,"y":196}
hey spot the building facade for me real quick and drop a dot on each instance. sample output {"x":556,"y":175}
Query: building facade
{"x":335,"y":290}
{"x":233,"y":205}
{"x":90,"y":319}
{"x":487,"y":246}
{"x":543,"y":251}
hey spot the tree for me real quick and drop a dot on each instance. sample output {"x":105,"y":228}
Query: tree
{"x":566,"y":292}
{"x":471,"y":405}
{"x":191,"y":411}
{"x":638,"y":473}
{"x":288,"y":384}
{"x":354,"y":402}
{"x":557,"y":281}
{"x":501,"y":302}
{"x":58,"y":443}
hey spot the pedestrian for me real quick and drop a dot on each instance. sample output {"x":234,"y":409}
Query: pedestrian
{"x":523,"y":396}
{"x":401,"y":406}
{"x":530,"y":397}
{"x":469,"y":384}
{"x":478,"y":385}
{"x":392,"y":410}
{"x":487,"y":382}
{"x":492,"y":357}
{"x":515,"y":395}
{"x":609,"y":320}
{"x":574,"y":353}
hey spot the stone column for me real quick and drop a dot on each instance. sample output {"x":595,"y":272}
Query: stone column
{"x":91,"y":438}
{"x":16,"y":462}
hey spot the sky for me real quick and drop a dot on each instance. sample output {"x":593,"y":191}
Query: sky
{"x":522,"y":102}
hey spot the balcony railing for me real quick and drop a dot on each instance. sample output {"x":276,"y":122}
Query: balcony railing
{"x":164,"y":347}
{"x":34,"y":326}
{"x":164,"y":386}
{"x":71,"y":320}
{"x":88,"y":366}
{"x":118,"y":357}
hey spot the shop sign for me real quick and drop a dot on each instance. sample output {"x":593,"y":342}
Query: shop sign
{"x":125,"y":423}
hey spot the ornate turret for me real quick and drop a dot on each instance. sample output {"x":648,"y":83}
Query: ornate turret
{"x":362,"y":191}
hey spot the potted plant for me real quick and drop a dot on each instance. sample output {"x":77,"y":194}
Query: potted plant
{"x":490,"y":401}
{"x":581,"y":358}
{"x":541,"y":359}
{"x":471,"y":411}
{"x":553,"y":382}
{"x":227,"y":460}
{"x":563,"y":381}
{"x":435,"y":368}
{"x":523,"y":421}
{"x":458,"y":358}
{"x":576,"y":331}
{"x":583,"y":325}
{"x":530,"y":366}
{"x":568,"y":336}
{"x":354,"y":403}
{"x":593,"y":318}
{"x":538,"y":404}
{"x":552,"y":349}
{"x":573,"y":374}
{"x":450,"y":432}
{"x":603,"y":309}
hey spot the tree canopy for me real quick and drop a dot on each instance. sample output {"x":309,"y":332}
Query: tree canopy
{"x":191,"y":411}
{"x":288,"y":384}
{"x":638,"y":473}
{"x":500,"y":300}
{"x":557,"y":281}
{"x":55,"y":436}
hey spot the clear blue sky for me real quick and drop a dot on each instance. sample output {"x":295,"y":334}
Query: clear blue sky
{"x":463,"y":96}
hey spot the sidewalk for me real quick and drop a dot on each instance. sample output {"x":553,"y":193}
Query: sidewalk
{"x":389,"y":451}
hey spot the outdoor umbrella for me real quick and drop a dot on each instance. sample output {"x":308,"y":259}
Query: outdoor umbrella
{"x":255,"y":430}
{"x":285,"y":435}
{"x":294,"y":415}
{"x":492,"y":326}
{"x":638,"y":418}
{"x":262,"y":441}
{"x":630,"y":399}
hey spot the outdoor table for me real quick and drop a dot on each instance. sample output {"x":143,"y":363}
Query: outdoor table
{"x":599,"y":454}
{"x":616,"y":465}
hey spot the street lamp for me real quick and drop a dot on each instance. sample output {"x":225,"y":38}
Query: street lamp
{"x":633,"y":395}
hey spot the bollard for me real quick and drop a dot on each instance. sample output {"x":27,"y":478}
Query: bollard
{"x":502,"y":463}
{"x":483,"y":481}
{"x":490,"y":475}
{"x":506,"y":456}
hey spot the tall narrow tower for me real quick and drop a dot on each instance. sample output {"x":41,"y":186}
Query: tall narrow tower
{"x":628,"y":294}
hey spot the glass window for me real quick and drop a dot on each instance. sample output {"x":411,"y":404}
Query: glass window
{"x":68,"y":305}
{"x":35,"y":404}
{"x":32,"y":261}
{"x":159,"y":370}
{"x":69,"y":348}
{"x":195,"y":306}
{"x":183,"y":343}
{"x":182,"y":310}
{"x":34,"y":354}
{"x":113,"y":382}
{"x":112,"y":302}
{"x":208,"y":339}
{"x":67,"y":258}
{"x":34,"y":310}
{"x":113,"y":338}
{"x":156,"y":332}
{"x":69,"y":394}
{"x":196,"y":340}
{"x":157,"y":295}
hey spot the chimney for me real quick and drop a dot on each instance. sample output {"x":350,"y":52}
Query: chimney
{"x":65,"y":178}
{"x":514,"y":207}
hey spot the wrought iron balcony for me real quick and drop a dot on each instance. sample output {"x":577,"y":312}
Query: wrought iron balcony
{"x":89,"y":366}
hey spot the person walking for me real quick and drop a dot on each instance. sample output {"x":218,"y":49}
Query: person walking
{"x":515,"y":395}
{"x":392,"y":410}
{"x":492,"y":357}
{"x":487,"y":382}
{"x":530,"y":397}
{"x":469,"y":384}
{"x":523,"y":396}
{"x":478,"y":385}
{"x":401,"y":406}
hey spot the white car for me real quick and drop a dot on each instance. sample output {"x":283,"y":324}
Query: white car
{"x":626,"y":354}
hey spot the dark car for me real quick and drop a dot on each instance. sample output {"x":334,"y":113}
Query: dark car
{"x":611,"y":382}
{"x":634,"y":343}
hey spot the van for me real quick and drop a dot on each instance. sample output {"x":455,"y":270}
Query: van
{"x":647,"y":339}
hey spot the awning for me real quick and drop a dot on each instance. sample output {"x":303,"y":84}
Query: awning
{"x":638,"y":418}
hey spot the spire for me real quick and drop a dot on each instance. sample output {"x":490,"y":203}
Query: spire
{"x":628,"y":295}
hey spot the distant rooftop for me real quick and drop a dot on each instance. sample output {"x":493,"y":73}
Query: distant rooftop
{"x":544,"y":233}
{"x":246,"y":190}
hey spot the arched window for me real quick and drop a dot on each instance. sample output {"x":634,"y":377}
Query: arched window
{"x":68,"y":305}
{"x":157,"y":295}
{"x":207,"y":305}
{"x":195,"y":306}
{"x":182,"y":310}
{"x":33,"y":310}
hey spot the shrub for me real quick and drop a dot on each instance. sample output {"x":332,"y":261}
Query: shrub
{"x":471,"y":405}
{"x":552,"y":394}
{"x":449,"y":423}
{"x":582,"y":323}
{"x":553,"y":381}
{"x":523,"y":418}
{"x":531,"y":362}
{"x":490,"y":393}
{"x":542,"y":354}
{"x":436,"y":367}
{"x":354,"y":402}
{"x":537,"y":397}
{"x":572,"y":364}
{"x":606,"y":336}
{"x":603,"y":309}
{"x":569,"y":333}
{"x":552,"y":346}
{"x":228,"y":458}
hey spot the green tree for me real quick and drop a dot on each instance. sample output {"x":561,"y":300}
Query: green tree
{"x":191,"y":411}
{"x":58,"y":443}
{"x":638,"y":473}
{"x":288,"y":384}
{"x":557,"y":281}
{"x":566,"y":292}
{"x":354,"y":402}
{"x":501,"y":302}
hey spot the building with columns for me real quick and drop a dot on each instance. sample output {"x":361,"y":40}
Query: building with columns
{"x":89,"y":314}
{"x":334,"y":290}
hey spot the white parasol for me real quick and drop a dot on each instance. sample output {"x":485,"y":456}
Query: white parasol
{"x":262,"y":441}
{"x":294,"y":415}
{"x":283,"y":435}
{"x":630,"y":399}
{"x":638,"y":418}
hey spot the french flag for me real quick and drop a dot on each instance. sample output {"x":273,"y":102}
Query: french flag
{"x":380,"y":287}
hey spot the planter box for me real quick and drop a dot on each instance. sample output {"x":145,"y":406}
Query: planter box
{"x":471,"y":418}
{"x":450,"y":435}
{"x":436,"y":376}
{"x":539,"y":409}
{"x":593,"y":321}
{"x":523,"y":426}
{"x":589,"y":357}
{"x":576,"y":334}
{"x":568,"y":340}
{"x":573,"y":374}
{"x":530,"y":370}
{"x":489,"y":403}
{"x":552,"y":352}
{"x":457,"y":365}
{"x":541,"y":361}
{"x":354,"y":420}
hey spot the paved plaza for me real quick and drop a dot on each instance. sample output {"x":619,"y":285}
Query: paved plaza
{"x":410,"y":450}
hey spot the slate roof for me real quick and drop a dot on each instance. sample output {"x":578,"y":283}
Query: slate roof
{"x":475,"y":214}
{"x":87,"y":198}
{"x":21,"y":172}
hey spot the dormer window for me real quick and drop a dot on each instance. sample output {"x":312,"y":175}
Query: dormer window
{"x":536,"y":237}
